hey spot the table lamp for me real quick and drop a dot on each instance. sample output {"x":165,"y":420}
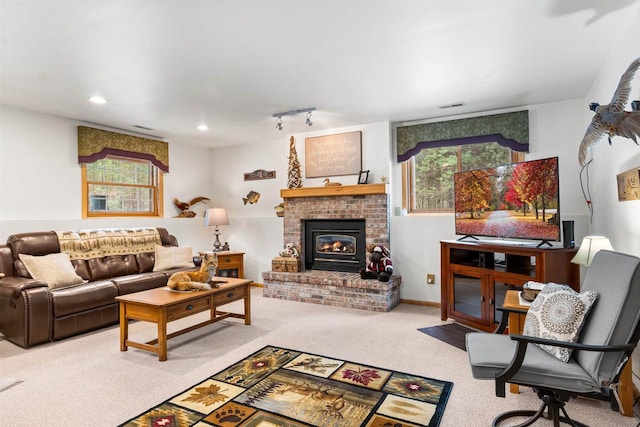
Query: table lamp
{"x":589,"y":248}
{"x":216,"y":216}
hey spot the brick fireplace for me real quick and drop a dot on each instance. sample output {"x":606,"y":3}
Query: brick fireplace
{"x":368,"y":202}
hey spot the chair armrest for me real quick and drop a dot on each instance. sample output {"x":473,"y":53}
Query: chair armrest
{"x":521,"y":349}
{"x":505,"y":318}
{"x":573,"y":345}
{"x":512,"y":310}
{"x":11,"y":286}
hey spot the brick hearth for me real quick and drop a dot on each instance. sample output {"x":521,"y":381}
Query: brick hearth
{"x":327,"y":287}
{"x":333,"y":288}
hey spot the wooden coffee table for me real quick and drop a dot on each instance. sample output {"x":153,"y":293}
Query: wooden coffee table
{"x":162,"y":305}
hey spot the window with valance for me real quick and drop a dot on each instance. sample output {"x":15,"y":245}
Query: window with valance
{"x":121,"y":174}
{"x":431,"y":153}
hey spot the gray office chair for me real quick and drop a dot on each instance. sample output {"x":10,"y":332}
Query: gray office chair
{"x":608,"y":337}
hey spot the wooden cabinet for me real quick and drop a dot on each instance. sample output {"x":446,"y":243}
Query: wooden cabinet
{"x":231,"y":264}
{"x":476,"y":276}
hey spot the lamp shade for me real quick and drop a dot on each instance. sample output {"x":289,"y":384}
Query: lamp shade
{"x":589,"y":248}
{"x":216,"y":216}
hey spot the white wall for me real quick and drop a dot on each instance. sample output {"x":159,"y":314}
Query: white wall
{"x":254,"y":228}
{"x":40,"y":181}
{"x":555,"y":129}
{"x":43,"y":193}
{"x":40,"y":184}
{"x":616,"y":220}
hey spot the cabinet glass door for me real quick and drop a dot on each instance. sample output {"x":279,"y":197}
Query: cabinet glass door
{"x":467,"y":299}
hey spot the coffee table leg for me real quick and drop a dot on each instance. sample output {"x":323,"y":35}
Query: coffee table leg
{"x":247,"y":306}
{"x":124,"y":327}
{"x":162,"y":336}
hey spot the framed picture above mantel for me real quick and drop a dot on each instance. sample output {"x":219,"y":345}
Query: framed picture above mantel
{"x":333,"y":155}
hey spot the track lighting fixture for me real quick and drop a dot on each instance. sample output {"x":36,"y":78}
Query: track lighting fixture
{"x":307,"y":121}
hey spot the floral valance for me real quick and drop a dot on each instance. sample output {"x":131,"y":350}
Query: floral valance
{"x":96,"y":144}
{"x":508,"y":129}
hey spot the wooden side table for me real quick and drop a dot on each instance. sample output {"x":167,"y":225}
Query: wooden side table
{"x":231,"y":264}
{"x":516,"y":326}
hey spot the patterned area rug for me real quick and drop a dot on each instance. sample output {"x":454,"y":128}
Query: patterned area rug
{"x":282,"y":387}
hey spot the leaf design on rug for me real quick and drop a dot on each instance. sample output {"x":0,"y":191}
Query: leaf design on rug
{"x":362,"y":376}
{"x":207,"y":395}
{"x":315,"y":364}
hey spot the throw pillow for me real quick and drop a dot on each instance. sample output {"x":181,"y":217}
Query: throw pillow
{"x":168,"y":257}
{"x":558,"y":313}
{"x":55,"y":269}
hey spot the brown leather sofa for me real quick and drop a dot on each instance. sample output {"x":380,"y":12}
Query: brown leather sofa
{"x":31,"y":313}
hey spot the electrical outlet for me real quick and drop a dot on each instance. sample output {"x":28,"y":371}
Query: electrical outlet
{"x":431,"y":279}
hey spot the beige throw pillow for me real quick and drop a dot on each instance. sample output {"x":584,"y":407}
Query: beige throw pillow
{"x":558,"y":313}
{"x":168,"y":257}
{"x":55,"y":269}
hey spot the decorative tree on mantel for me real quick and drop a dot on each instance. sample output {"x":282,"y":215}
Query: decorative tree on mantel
{"x":295,"y":177}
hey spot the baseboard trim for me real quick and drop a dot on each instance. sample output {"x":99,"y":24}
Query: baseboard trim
{"x":416,"y":302}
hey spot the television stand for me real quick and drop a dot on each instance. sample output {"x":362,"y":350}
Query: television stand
{"x":475,"y":277}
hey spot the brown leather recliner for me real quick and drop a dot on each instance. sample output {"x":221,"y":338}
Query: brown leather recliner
{"x":31,"y":313}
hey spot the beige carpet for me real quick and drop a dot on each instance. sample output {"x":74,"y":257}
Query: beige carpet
{"x":87,"y":381}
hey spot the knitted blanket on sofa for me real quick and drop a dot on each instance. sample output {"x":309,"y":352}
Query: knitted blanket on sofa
{"x":88,"y":244}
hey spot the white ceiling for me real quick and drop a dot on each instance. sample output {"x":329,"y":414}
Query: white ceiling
{"x":171,"y":65}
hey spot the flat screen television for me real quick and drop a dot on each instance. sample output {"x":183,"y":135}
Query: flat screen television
{"x":514,"y":201}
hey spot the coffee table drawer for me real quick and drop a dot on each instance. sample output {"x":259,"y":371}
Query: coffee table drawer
{"x":187,"y":308}
{"x":228,"y":296}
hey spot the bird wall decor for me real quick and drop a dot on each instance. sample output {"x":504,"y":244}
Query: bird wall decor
{"x":185,"y":207}
{"x":612,"y":119}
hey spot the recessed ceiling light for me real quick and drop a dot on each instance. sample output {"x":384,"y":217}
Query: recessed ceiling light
{"x":203,"y":127}
{"x":98,"y":100}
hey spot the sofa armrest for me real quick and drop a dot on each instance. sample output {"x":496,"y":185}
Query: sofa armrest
{"x":11,"y":286}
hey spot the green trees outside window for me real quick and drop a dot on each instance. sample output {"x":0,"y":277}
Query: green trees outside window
{"x":431,"y":179}
{"x":121,"y":186}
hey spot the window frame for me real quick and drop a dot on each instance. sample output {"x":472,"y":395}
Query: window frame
{"x":408,"y":182}
{"x":157,"y":188}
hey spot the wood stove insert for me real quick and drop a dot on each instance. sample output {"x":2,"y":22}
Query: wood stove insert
{"x":334,"y":244}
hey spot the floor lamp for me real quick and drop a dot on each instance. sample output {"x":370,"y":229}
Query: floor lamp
{"x":216,"y":216}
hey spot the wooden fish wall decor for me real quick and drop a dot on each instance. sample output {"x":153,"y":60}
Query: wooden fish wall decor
{"x":251,"y":197}
{"x":259,"y":174}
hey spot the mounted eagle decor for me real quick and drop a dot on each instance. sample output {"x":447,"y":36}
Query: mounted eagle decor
{"x":612,"y":119}
{"x":185,"y":207}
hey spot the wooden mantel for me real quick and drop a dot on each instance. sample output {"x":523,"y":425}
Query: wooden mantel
{"x":334,"y":190}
